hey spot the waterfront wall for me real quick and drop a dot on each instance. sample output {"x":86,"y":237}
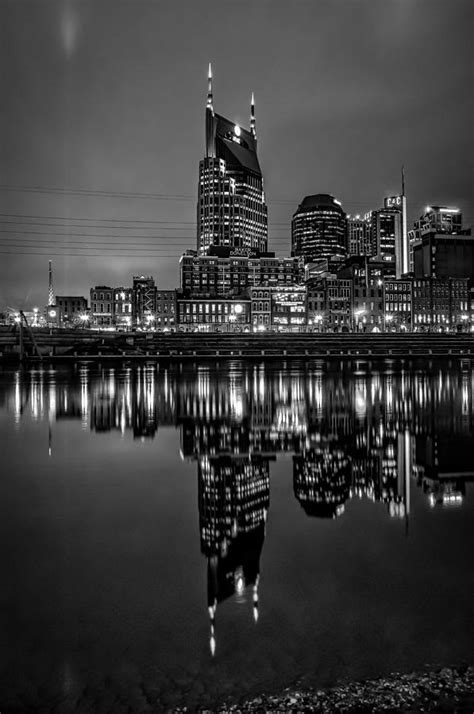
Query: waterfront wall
{"x":86,"y":343}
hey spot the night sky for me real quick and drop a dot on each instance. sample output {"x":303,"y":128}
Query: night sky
{"x":104,"y":102}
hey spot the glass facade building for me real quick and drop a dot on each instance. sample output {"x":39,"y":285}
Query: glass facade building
{"x":318,"y":229}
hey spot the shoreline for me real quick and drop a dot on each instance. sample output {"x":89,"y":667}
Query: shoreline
{"x":446,"y":689}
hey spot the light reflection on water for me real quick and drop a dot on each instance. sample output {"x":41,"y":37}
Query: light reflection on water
{"x":381,"y":435}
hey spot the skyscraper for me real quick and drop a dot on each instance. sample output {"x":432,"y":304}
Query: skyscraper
{"x":318,"y":229}
{"x":231,"y":201}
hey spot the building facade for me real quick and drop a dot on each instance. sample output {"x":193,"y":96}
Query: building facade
{"x":218,"y":314}
{"x":441,"y":305}
{"x":358,"y":235}
{"x":72,"y":310}
{"x":398,"y":305}
{"x":288,"y":309}
{"x":223,"y":273}
{"x":444,"y":255}
{"x":102,"y":306}
{"x":143,"y":301}
{"x":367,"y":277}
{"x":386,"y":231}
{"x":123,"y":299}
{"x":446,"y":220}
{"x":166,"y":310}
{"x":318,"y":229}
{"x":231,"y":210}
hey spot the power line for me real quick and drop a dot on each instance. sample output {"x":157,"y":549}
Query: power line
{"x":154,"y":196}
{"x":111,"y":220}
{"x":85,"y":255}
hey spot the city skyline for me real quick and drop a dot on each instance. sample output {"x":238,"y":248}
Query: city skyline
{"x":88,"y":116}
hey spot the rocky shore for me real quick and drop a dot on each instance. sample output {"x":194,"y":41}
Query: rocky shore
{"x":446,"y":690}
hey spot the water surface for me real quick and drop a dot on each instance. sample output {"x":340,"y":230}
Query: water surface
{"x":183,"y":535}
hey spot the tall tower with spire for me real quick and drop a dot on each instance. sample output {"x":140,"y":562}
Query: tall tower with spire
{"x":232,"y":212}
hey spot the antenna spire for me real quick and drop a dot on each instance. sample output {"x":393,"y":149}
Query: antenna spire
{"x":51,"y":296}
{"x":403,"y":180}
{"x":252,"y":116}
{"x":209,"y":88}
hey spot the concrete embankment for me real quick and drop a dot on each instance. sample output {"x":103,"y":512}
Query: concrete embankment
{"x":77,"y":344}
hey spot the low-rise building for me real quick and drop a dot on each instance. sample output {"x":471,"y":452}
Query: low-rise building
{"x":143,"y":301}
{"x":367,"y":277}
{"x":165,"y":316}
{"x":213,"y":314}
{"x":288,"y":308}
{"x":397,"y":305}
{"x":102,"y":306}
{"x":260,"y":307}
{"x":123,"y":307}
{"x":440,"y":305}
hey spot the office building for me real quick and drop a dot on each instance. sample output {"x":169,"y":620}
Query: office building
{"x":358,"y":235}
{"x":231,"y":208}
{"x":318,"y":230}
{"x":386,"y":229}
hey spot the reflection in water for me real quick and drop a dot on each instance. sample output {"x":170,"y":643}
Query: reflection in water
{"x":362,"y":434}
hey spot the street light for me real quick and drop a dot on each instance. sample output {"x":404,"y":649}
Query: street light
{"x":357,"y":315}
{"x":388,"y":318}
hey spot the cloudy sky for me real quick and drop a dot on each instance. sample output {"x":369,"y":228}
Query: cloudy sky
{"x":102,"y":121}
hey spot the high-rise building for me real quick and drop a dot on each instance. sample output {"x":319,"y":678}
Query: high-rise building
{"x":389,"y":237}
{"x":231,"y":208}
{"x":386,"y":229}
{"x":318,"y":229}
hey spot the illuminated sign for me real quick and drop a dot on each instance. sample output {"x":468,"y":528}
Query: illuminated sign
{"x":393,"y":202}
{"x":52,"y":313}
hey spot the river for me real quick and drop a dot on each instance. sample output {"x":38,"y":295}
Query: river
{"x":186,"y":535}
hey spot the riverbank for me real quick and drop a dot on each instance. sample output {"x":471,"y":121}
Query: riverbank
{"x":446,"y":690}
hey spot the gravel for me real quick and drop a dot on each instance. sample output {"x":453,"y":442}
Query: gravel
{"x":445,"y":690}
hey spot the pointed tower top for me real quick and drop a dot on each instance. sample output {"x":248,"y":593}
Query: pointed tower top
{"x":252,"y":116}
{"x":209,"y":87}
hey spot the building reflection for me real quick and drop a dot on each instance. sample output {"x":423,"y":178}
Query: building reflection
{"x":366,"y":433}
{"x":354,"y":433}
